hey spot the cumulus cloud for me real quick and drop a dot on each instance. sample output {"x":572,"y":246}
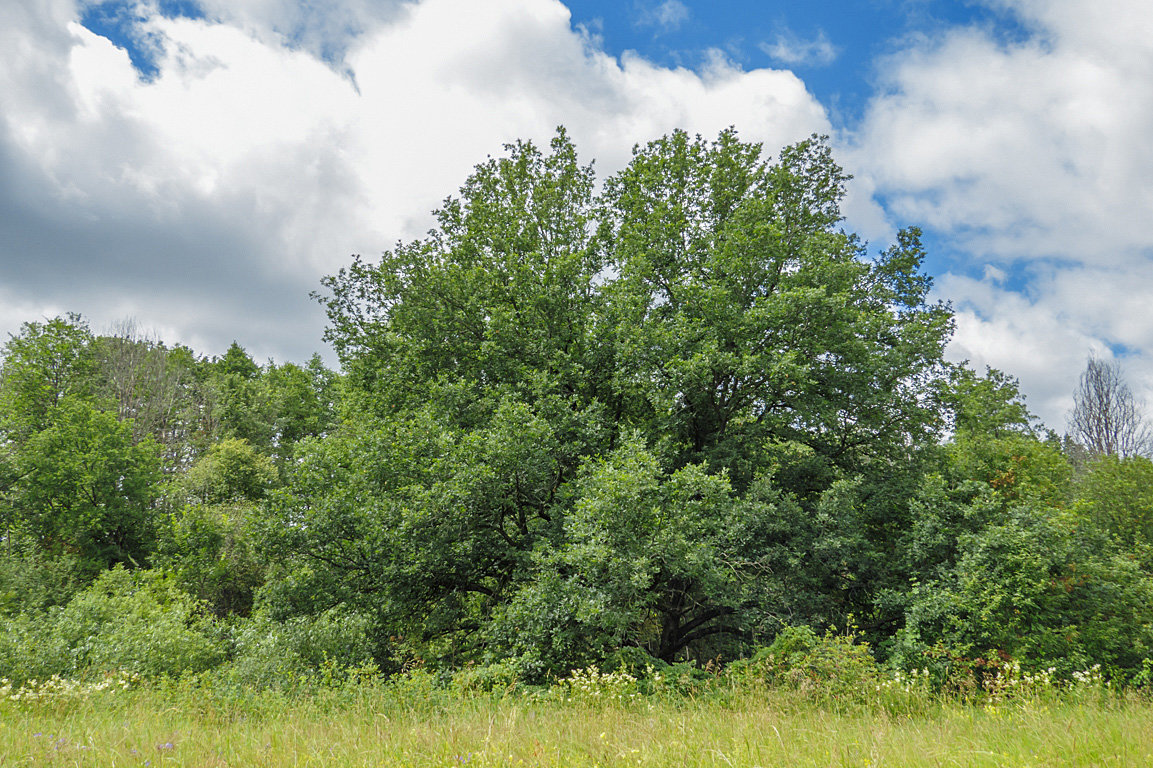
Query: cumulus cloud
{"x":1046,"y":337}
{"x":1031,"y":154}
{"x":207,"y":200}
{"x":793,"y":51}
{"x":1029,"y":149}
{"x":1030,"y":340}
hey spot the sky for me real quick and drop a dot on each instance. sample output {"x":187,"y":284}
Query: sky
{"x":197,"y":166}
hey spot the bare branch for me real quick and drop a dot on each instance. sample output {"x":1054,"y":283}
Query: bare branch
{"x":1106,"y":419}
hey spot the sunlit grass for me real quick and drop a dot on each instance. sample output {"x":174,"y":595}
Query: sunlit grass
{"x":375,"y":725}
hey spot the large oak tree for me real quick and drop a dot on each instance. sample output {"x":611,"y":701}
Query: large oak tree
{"x":636,"y":408}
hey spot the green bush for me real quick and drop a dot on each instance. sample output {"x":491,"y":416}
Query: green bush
{"x":302,"y":650}
{"x":1036,"y":588}
{"x":31,"y":650}
{"x":212,"y":556}
{"x":1116,"y":495}
{"x":134,"y":621}
{"x":34,"y":581}
{"x":232,"y":471}
{"x":833,"y":667}
{"x":497,"y":678}
{"x":656,"y":677}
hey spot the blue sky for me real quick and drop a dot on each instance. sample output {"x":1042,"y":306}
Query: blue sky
{"x":198,"y":165}
{"x":836,"y":43}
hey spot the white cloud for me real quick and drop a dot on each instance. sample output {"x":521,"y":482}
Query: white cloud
{"x":1025,"y":150}
{"x":1029,"y":340}
{"x":667,"y":16}
{"x":793,"y":51}
{"x":209,"y":199}
{"x":1045,"y":339}
{"x":1032,"y":154}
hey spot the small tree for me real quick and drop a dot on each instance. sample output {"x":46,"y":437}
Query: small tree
{"x":39,"y":367}
{"x":86,"y":489}
{"x":1106,"y":419}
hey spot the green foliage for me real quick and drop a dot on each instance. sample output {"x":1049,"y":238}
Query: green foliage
{"x":1018,"y":467}
{"x":134,"y":621}
{"x":638,"y":431}
{"x":941,"y":515}
{"x":642,"y":564}
{"x":1116,"y":495}
{"x":981,"y":478}
{"x":303,"y":401}
{"x":211,"y":553}
{"x":231,"y":471}
{"x":240,"y":404}
{"x":746,"y":316}
{"x":41,"y":366}
{"x":498,"y":678}
{"x":33,"y":580}
{"x":86,"y":489}
{"x":421,"y":525}
{"x":1035,"y":588}
{"x":497,"y":302}
{"x":272,"y":654}
{"x":236,"y":362}
{"x":833,"y":668}
{"x":818,"y":564}
{"x":986,"y":406}
{"x":1001,"y":567}
{"x":576,"y":395}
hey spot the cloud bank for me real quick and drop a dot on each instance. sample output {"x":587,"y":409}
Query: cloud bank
{"x":276,"y":138}
{"x":207,"y":200}
{"x":1031,"y":156}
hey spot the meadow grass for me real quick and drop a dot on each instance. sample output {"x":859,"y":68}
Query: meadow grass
{"x":379,"y":725}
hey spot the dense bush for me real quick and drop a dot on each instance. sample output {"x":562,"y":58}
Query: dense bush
{"x":210,"y":552}
{"x":1036,"y":588}
{"x":831,"y":667}
{"x":286,"y":654}
{"x":32,"y":580}
{"x":133,"y":621}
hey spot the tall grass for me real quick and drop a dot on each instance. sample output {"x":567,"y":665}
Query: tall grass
{"x":413,"y":722}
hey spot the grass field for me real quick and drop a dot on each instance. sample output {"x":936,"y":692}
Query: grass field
{"x":377,"y":725}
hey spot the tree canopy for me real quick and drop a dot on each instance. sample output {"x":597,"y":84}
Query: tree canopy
{"x":568,"y":359}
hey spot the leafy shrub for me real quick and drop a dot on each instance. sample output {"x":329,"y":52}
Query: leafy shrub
{"x":231,"y":471}
{"x":333,"y":645}
{"x":210,"y":552}
{"x":1036,"y":588}
{"x":500,"y":677}
{"x":34,"y":581}
{"x":31,"y":650}
{"x":1116,"y":495}
{"x":657,"y":677}
{"x":136,"y":621}
{"x":830,"y":667}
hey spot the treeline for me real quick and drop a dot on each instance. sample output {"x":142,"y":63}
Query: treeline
{"x":110,"y":441}
{"x":665,"y":420}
